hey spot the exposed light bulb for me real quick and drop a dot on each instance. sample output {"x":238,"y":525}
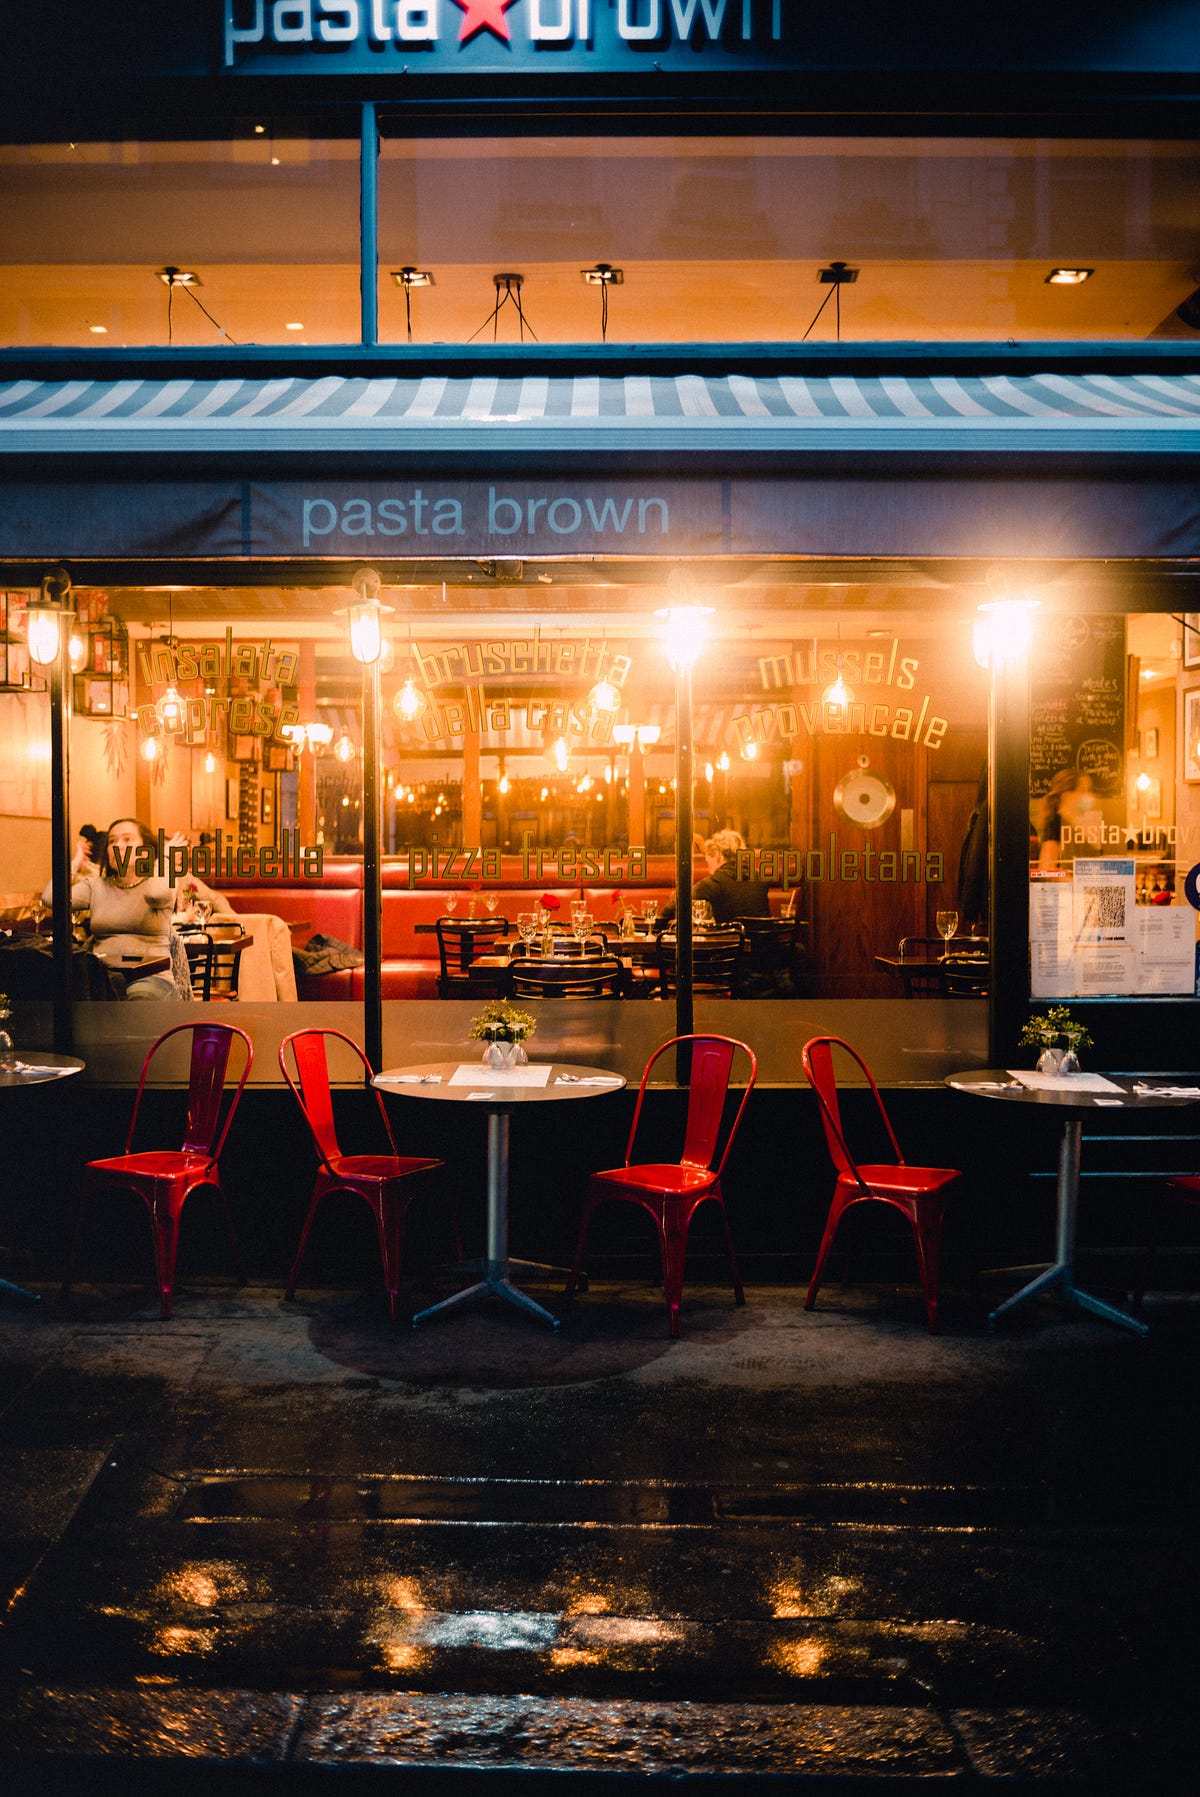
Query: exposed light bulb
{"x":343,"y":748}
{"x":149,"y":749}
{"x":837,"y":693}
{"x":723,"y":762}
{"x":210,"y":763}
{"x":503,"y":784}
{"x":170,"y":710}
{"x":408,"y":703}
{"x":560,"y":754}
{"x":605,"y":696}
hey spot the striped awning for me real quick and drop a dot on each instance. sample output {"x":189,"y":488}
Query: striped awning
{"x":784,"y":413}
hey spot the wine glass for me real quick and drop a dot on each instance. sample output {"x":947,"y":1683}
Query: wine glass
{"x":491,"y":901}
{"x":581,"y":923}
{"x":649,"y":911}
{"x":947,"y":923}
{"x":203,"y":910}
{"x":39,"y":908}
{"x":451,"y":901}
{"x":578,"y":908}
{"x":527,"y":926}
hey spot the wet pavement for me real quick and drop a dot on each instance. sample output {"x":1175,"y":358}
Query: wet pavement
{"x":267,"y":1541}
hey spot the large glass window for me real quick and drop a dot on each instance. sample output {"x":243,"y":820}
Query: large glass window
{"x":89,"y":229}
{"x":1114,"y":820}
{"x":715,"y":238}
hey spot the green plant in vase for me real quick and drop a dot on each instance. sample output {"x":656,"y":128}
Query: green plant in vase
{"x":505,"y":1029}
{"x":1059,"y":1037}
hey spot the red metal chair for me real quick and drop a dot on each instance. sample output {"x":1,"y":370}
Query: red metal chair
{"x":673,"y":1191}
{"x":920,"y":1193}
{"x":1183,"y":1189}
{"x":165,"y":1178}
{"x":381,"y":1179}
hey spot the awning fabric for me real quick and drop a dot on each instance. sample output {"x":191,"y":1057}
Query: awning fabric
{"x":1048,"y":413}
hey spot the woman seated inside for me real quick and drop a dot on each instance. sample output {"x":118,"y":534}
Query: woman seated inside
{"x":730,"y":895}
{"x":130,"y":903}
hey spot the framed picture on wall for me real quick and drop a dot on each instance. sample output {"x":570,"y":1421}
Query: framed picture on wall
{"x":1151,"y":800}
{"x":1191,"y":639}
{"x":275,"y":758}
{"x":1150,"y":745}
{"x":231,"y":800}
{"x":1191,"y":735}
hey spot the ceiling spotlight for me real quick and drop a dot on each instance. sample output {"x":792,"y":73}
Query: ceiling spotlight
{"x":98,"y":330}
{"x":604,"y":275}
{"x":178,"y":277}
{"x":293,"y":327}
{"x":412,"y":277}
{"x":1068,"y":277}
{"x":837,"y":274}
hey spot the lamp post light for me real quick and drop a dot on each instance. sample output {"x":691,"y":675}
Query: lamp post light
{"x":50,"y":621}
{"x":365,"y":619}
{"x":684,"y":633}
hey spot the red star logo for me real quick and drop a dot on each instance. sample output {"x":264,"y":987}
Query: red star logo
{"x":484,"y":15}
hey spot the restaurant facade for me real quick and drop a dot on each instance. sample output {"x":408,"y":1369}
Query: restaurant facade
{"x":384,"y":388}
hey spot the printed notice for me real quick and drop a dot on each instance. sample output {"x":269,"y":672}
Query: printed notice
{"x":1052,"y":968}
{"x":1103,"y":899}
{"x":1168,"y":948}
{"x":1104,"y":969}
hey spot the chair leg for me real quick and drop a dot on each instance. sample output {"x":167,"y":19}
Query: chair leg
{"x":573,"y":1279}
{"x":73,"y":1248}
{"x":739,"y":1296}
{"x":818,"y":1273}
{"x":294,"y":1275}
{"x":927,"y":1232}
{"x":1158,"y":1205}
{"x":390,"y":1221}
{"x":235,"y":1251}
{"x":672,"y":1237}
{"x":164,"y":1226}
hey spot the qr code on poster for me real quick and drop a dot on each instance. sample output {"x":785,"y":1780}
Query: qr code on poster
{"x":1104,"y":908}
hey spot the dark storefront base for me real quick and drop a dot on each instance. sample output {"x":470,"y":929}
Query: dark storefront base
{"x":778,"y":1185}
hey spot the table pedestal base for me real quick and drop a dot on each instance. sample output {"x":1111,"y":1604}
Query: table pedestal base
{"x":1060,"y":1277}
{"x":8,"y":1289}
{"x":497,"y":1285}
{"x":1060,"y":1280}
{"x":496,"y":1266}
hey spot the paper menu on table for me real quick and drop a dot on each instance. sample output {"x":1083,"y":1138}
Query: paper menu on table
{"x":1065,"y":1082}
{"x":495,"y":1077}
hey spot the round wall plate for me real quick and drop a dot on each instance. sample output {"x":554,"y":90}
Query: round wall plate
{"x":864,"y":799}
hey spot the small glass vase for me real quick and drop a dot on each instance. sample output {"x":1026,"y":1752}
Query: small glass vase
{"x":1050,"y":1061}
{"x":1069,"y":1062}
{"x":8,"y":1054}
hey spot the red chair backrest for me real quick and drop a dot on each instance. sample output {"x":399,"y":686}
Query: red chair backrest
{"x":211,"y":1043}
{"x":311,"y":1087}
{"x":816,"y":1058}
{"x":708,"y":1085}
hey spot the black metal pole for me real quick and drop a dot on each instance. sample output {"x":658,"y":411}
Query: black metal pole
{"x":1008,"y":856}
{"x":60,"y":842}
{"x":684,"y":1016}
{"x":368,"y":213}
{"x":372,"y":872}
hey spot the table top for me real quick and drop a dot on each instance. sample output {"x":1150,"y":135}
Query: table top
{"x":1134,"y":1094}
{"x":36,"y":1066}
{"x":136,"y":967}
{"x":565,"y":1081}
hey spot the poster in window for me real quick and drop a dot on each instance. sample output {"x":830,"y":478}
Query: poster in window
{"x":1191,"y":735}
{"x":1150,"y":745}
{"x":1191,"y":639}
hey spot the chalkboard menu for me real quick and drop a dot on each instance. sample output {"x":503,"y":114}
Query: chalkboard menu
{"x":1077,"y":702}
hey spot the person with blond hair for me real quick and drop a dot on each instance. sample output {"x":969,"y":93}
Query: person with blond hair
{"x":732,"y":890}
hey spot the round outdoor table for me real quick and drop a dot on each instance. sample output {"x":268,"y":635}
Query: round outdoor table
{"x":33,"y":1067}
{"x":487,"y":1089}
{"x":1131,"y":1095}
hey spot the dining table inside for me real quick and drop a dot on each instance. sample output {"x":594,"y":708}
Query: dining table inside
{"x":22,"y":1069}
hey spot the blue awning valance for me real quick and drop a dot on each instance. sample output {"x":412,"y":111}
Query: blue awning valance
{"x":1049,"y":413}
